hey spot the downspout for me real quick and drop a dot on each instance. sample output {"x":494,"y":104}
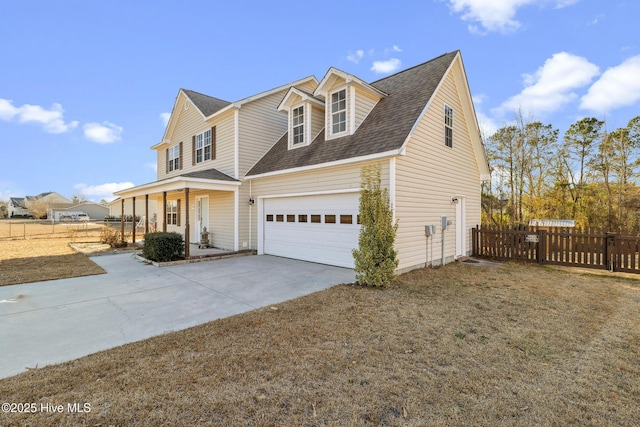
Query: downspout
{"x":250,"y":215}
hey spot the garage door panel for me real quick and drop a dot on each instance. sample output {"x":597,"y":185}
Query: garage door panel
{"x":328,"y":243}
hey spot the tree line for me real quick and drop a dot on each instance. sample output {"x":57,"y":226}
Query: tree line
{"x":589,"y":175}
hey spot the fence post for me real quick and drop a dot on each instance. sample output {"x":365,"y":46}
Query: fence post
{"x":610,"y":251}
{"x":542,"y":246}
{"x":474,"y":241}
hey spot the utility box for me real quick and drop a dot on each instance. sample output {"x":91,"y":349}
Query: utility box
{"x":429,"y":230}
{"x":445,"y":222}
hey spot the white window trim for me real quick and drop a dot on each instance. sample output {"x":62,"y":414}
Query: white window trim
{"x":446,"y":126}
{"x":306,"y":123}
{"x":330,"y":133}
{"x":200,"y":138}
{"x":174,"y":153}
{"x":171,"y":209}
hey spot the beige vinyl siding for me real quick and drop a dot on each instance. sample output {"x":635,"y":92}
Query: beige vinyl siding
{"x":308,"y":86}
{"x":260,"y":126}
{"x":221,"y":219}
{"x":317,"y":120}
{"x":429,"y":175}
{"x":337,"y":178}
{"x":189,"y":123}
{"x":364,"y":105}
{"x":246,"y":213}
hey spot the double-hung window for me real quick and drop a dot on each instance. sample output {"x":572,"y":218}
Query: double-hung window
{"x":297,"y":123}
{"x":448,"y":126}
{"x":203,"y":146}
{"x":172,"y":212}
{"x":174,"y":158}
{"x":339,"y":111}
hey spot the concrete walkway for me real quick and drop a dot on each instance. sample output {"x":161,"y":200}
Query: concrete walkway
{"x":55,"y":321}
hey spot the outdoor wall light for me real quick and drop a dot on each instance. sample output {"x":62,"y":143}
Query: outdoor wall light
{"x":251,"y":201}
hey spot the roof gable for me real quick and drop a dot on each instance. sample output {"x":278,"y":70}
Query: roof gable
{"x":295,"y":95}
{"x":334,"y":74}
{"x":384,"y":131}
{"x":207,"y":105}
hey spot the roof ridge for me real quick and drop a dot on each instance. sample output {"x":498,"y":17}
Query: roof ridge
{"x":415,"y":66}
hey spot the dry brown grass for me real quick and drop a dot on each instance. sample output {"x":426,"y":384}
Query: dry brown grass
{"x":459,"y":345}
{"x":43,"y":255}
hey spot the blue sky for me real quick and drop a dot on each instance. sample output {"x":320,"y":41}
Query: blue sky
{"x":86,"y":86}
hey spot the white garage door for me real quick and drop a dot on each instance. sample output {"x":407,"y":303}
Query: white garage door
{"x":321,"y":229}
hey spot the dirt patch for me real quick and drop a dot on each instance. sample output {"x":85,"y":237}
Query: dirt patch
{"x":459,"y":345}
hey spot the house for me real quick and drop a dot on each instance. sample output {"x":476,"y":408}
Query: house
{"x":96,"y":211}
{"x":279,"y":172}
{"x":42,"y":204}
{"x":17,"y":207}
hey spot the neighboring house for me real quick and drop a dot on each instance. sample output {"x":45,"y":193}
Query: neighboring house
{"x":17,"y":207}
{"x":279,"y":172}
{"x":96,"y":211}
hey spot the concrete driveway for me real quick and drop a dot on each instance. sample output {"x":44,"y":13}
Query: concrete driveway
{"x":55,"y":321}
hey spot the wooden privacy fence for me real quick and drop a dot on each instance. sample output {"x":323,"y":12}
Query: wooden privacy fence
{"x":559,"y":246}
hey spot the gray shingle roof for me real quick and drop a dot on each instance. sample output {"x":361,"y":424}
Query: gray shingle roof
{"x":17,"y":202}
{"x":209,"y":174}
{"x":385,"y":128}
{"x":206,"y":104}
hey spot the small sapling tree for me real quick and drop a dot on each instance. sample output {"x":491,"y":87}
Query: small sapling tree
{"x":375,"y":258}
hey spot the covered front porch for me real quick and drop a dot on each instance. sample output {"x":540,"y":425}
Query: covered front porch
{"x":188,"y":204}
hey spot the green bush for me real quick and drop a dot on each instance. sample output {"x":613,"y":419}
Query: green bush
{"x":163,"y":247}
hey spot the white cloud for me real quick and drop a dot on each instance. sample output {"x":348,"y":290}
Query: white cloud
{"x":7,"y":110}
{"x":355,"y":57}
{"x":51,"y":120}
{"x":392,"y":49}
{"x":497,"y":15}
{"x":102,"y":191}
{"x":552,"y":85}
{"x":104,"y":133}
{"x":165,"y":118}
{"x":617,"y":87}
{"x":384,"y":67}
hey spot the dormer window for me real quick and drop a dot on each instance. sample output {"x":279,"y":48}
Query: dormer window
{"x":339,"y":111}
{"x":297,"y":123}
{"x":305,"y":117}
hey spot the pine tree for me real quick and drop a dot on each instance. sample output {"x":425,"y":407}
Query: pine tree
{"x":376,"y":257}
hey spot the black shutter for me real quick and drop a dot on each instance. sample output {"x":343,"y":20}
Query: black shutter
{"x":193,"y":150}
{"x":213,"y":143}
{"x":181,"y":158}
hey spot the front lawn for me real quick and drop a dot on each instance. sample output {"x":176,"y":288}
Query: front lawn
{"x":459,"y":345}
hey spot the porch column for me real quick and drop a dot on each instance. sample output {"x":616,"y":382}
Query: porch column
{"x":146,"y":214}
{"x":122,"y":219}
{"x":164,"y":211}
{"x":186,"y":223}
{"x":133,"y":222}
